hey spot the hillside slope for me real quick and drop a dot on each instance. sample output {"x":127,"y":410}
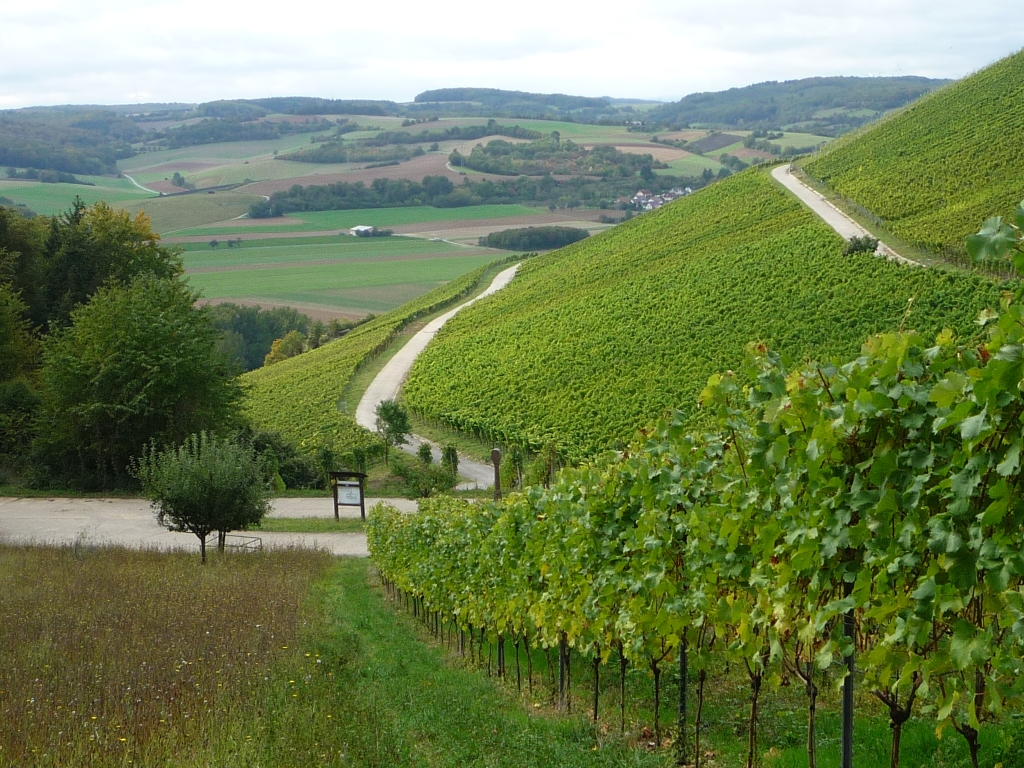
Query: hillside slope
{"x":594,"y":341}
{"x":937,"y":169}
{"x":299,"y":397}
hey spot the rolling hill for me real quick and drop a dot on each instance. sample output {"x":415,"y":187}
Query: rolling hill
{"x":827,"y":106}
{"x":594,"y":341}
{"x":932,"y":172}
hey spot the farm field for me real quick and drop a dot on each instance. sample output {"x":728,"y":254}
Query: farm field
{"x":378,"y":217}
{"x":50,"y":199}
{"x":932,"y":172}
{"x":350,"y":276}
{"x":171,"y":213}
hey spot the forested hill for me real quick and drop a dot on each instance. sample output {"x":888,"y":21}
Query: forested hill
{"x":495,"y":98}
{"x":826,"y":106}
{"x":935,"y":170}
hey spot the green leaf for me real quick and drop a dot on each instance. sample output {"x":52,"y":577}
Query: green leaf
{"x":960,"y":645}
{"x":1019,"y":215}
{"x":1011,"y":461}
{"x":994,"y":241}
{"x":973,"y":426}
{"x":947,"y":390}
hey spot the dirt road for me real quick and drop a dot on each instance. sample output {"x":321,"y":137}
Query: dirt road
{"x":839,"y":221}
{"x":132,"y":523}
{"x":387,"y":383}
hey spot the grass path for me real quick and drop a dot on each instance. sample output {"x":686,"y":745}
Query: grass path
{"x":424,"y":712}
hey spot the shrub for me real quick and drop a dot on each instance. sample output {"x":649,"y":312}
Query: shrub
{"x":207,"y":484}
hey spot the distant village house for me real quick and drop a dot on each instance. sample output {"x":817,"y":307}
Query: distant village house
{"x":645,"y":200}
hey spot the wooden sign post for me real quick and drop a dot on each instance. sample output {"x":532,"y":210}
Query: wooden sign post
{"x":496,"y":460}
{"x":348,"y":491}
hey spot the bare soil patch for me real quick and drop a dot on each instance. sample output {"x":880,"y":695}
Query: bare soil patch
{"x":163,"y":186}
{"x":715,"y":142}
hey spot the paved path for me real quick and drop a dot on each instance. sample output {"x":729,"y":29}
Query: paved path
{"x":387,"y":383}
{"x":839,"y":221}
{"x":132,"y":523}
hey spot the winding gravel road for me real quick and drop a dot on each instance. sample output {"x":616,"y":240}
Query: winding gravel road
{"x":387,"y":383}
{"x":839,"y":221}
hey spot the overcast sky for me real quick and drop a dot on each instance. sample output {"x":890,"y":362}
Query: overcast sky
{"x":117,"y":52}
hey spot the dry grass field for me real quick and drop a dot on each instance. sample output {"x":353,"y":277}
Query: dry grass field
{"x":115,"y":657}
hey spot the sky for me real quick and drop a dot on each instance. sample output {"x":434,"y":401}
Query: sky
{"x":118,"y":52}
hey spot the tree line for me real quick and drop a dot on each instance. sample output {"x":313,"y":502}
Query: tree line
{"x":441,"y":192}
{"x":534,"y":238}
{"x":551,"y":155}
{"x":215,"y":130}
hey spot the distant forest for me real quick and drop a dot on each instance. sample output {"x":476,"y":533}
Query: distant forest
{"x":85,"y":142}
{"x":826,"y":106}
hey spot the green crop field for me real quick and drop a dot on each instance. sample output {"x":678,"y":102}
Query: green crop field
{"x":326,"y":249}
{"x":393,"y":217}
{"x":299,"y":397}
{"x":346,"y":276}
{"x":377,"y":217}
{"x":48,"y":199}
{"x":934,"y":171}
{"x":656,"y":305}
{"x":172,"y":213}
{"x":582,"y":133}
{"x":691,"y":165}
{"x":224,"y":153}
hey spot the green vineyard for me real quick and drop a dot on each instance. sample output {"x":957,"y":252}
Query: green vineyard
{"x":936,"y":169}
{"x":868,"y":514}
{"x":299,"y":397}
{"x":594,"y":341}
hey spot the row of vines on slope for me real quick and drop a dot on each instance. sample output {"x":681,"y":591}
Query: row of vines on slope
{"x":591,"y":342}
{"x":869,"y":510}
{"x":934,"y":170}
{"x":299,"y":397}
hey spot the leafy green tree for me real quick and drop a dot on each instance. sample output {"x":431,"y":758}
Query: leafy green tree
{"x":206,"y":484}
{"x":293,"y":343}
{"x":89,"y":246}
{"x":424,"y":454}
{"x":19,"y":361}
{"x":393,"y":425}
{"x":138,"y":363}
{"x":450,"y":460}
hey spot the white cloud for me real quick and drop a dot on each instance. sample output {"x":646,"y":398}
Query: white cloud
{"x":113,"y":51}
